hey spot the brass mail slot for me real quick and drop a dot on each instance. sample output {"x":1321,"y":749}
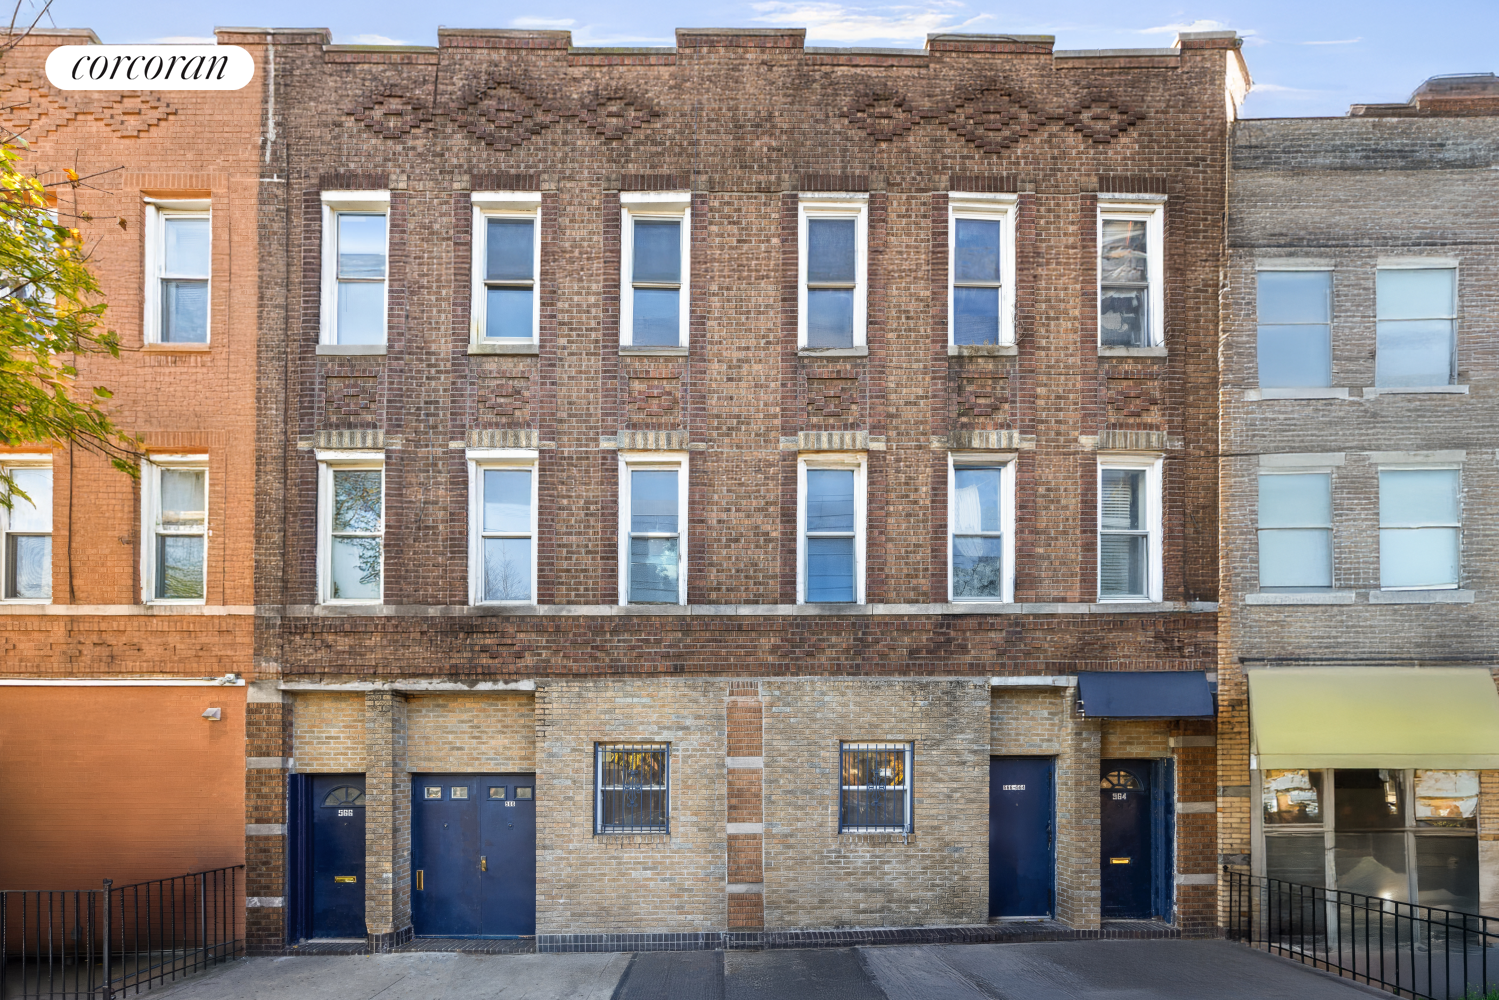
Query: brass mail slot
{"x":1119,"y":861}
{"x":421,"y":880}
{"x":346,"y":878}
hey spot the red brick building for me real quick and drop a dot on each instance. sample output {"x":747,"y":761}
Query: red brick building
{"x":729,"y":466}
{"x":127,"y":607}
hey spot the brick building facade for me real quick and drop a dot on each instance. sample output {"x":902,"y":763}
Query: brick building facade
{"x":1359,"y":451}
{"x":725,"y":553}
{"x":141,"y":615}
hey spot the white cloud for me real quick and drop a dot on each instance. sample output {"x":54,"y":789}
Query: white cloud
{"x":370,"y":40}
{"x":184,"y":40}
{"x":1341,"y":41}
{"x":839,"y":23}
{"x":1173,"y":29}
{"x":1275,"y":88}
{"x":542,"y":23}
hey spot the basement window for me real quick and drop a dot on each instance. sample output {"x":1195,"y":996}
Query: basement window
{"x":875,"y":792}
{"x":632,"y":787}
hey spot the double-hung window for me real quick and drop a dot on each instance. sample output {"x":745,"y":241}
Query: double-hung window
{"x":632,"y":788}
{"x":179,"y":245}
{"x":653,"y":546}
{"x":834,"y":271}
{"x":351,"y":535}
{"x":1131,"y":274}
{"x":502,"y":563}
{"x":26,"y":531}
{"x":831,"y":536}
{"x":874,"y":788}
{"x":1129,"y":529}
{"x":1417,"y":324}
{"x":655,"y":258}
{"x":507,"y":262}
{"x":1295,"y":531}
{"x":1295,"y":328}
{"x":981,"y":266}
{"x":355,"y":257}
{"x":981,"y":519}
{"x":174,"y":510}
{"x":1420,"y":528}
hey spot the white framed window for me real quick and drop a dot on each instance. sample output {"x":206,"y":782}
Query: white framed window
{"x":1131,"y":272}
{"x":830,"y":529}
{"x":502,"y":526}
{"x":1129,"y":528}
{"x":1295,"y":531}
{"x":632,"y":788}
{"x":356,"y":253}
{"x":506,"y":304}
{"x":1294,"y":336}
{"x":1420,"y":528}
{"x":1416,"y":327}
{"x":174,"y":529}
{"x":179,"y":258}
{"x":874,"y":794}
{"x":981,"y":527}
{"x":652,"y":523}
{"x":981,"y":270}
{"x":26,"y":531}
{"x":655,"y":268}
{"x":351,"y":527}
{"x":832,"y":270}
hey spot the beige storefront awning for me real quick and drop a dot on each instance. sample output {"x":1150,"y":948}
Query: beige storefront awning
{"x":1433,"y":717}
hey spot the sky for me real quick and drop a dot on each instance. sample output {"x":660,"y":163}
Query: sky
{"x":1307,"y":57}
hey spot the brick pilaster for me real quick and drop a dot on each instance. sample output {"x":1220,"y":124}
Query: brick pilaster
{"x":387,"y":817}
{"x":746,"y":857}
{"x":267,"y":738}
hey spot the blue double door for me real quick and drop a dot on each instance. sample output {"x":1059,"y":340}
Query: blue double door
{"x":473,"y":855}
{"x":1022,"y":836}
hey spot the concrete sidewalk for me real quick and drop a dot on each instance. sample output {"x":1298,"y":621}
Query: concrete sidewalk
{"x":1062,"y":970}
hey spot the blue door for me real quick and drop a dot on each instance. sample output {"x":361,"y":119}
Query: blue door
{"x":1125,"y":814}
{"x":473,"y":851}
{"x":1021,"y":865}
{"x":337,"y":868}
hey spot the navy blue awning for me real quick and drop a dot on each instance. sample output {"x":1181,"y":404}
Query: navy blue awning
{"x":1145,"y":694}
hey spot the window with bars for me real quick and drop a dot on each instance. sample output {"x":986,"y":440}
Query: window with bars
{"x":875,"y":788}
{"x":1129,"y":529}
{"x":27,"y":535}
{"x":1420,"y":528}
{"x":1294,"y":348}
{"x":1416,"y":328}
{"x":1295,"y":531}
{"x":632,"y":787}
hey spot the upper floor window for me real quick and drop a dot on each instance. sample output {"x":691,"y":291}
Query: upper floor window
{"x":351,"y":527}
{"x":1416,"y":328}
{"x":355,"y":256}
{"x":1295,"y":531}
{"x":655,"y":258}
{"x":26,"y":530}
{"x":653,"y":556}
{"x":1129,"y":528}
{"x":831,"y":539}
{"x":174,"y":509}
{"x":502,"y":567}
{"x":981,"y":266}
{"x":1420,"y":527}
{"x":507,"y":260}
{"x":179,"y":245}
{"x":981,"y":522}
{"x":1295,"y":328}
{"x":1131,"y":274}
{"x":834,"y":271}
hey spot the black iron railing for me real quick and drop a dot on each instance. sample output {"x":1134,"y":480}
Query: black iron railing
{"x":118,"y":940}
{"x":1410,"y":950}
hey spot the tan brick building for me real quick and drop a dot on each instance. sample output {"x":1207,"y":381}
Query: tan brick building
{"x":126,"y":609}
{"x":727,"y":458}
{"x":1358,"y":722}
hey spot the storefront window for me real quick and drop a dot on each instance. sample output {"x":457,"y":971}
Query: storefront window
{"x":1368,"y":799}
{"x":1292,"y":797}
{"x":1447,"y":799}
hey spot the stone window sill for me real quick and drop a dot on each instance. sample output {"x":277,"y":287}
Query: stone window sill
{"x":1131,"y":352}
{"x":1306,"y":392}
{"x":1322,"y":597}
{"x":626,"y":350}
{"x":1421,"y":597}
{"x":493,"y":347}
{"x":982,"y":350}
{"x":351,"y":350}
{"x":1415,"y":390}
{"x":833,"y":352}
{"x":156,"y":348}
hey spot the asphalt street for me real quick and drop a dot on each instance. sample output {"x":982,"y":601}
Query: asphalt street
{"x":1097,"y":970}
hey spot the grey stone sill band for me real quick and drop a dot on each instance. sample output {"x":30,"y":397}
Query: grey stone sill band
{"x":982,"y":350}
{"x":744,"y":828}
{"x":649,"y":352}
{"x":350,"y":350}
{"x":1132,"y":352}
{"x":1375,"y":597}
{"x":1343,"y":392}
{"x":269,"y":902}
{"x":725,"y":610}
{"x":211,"y":610}
{"x":265,"y":829}
{"x":747,"y":887}
{"x":492,"y":347}
{"x":833,"y":352}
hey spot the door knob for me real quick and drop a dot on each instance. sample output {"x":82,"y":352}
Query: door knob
{"x":483,"y":863}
